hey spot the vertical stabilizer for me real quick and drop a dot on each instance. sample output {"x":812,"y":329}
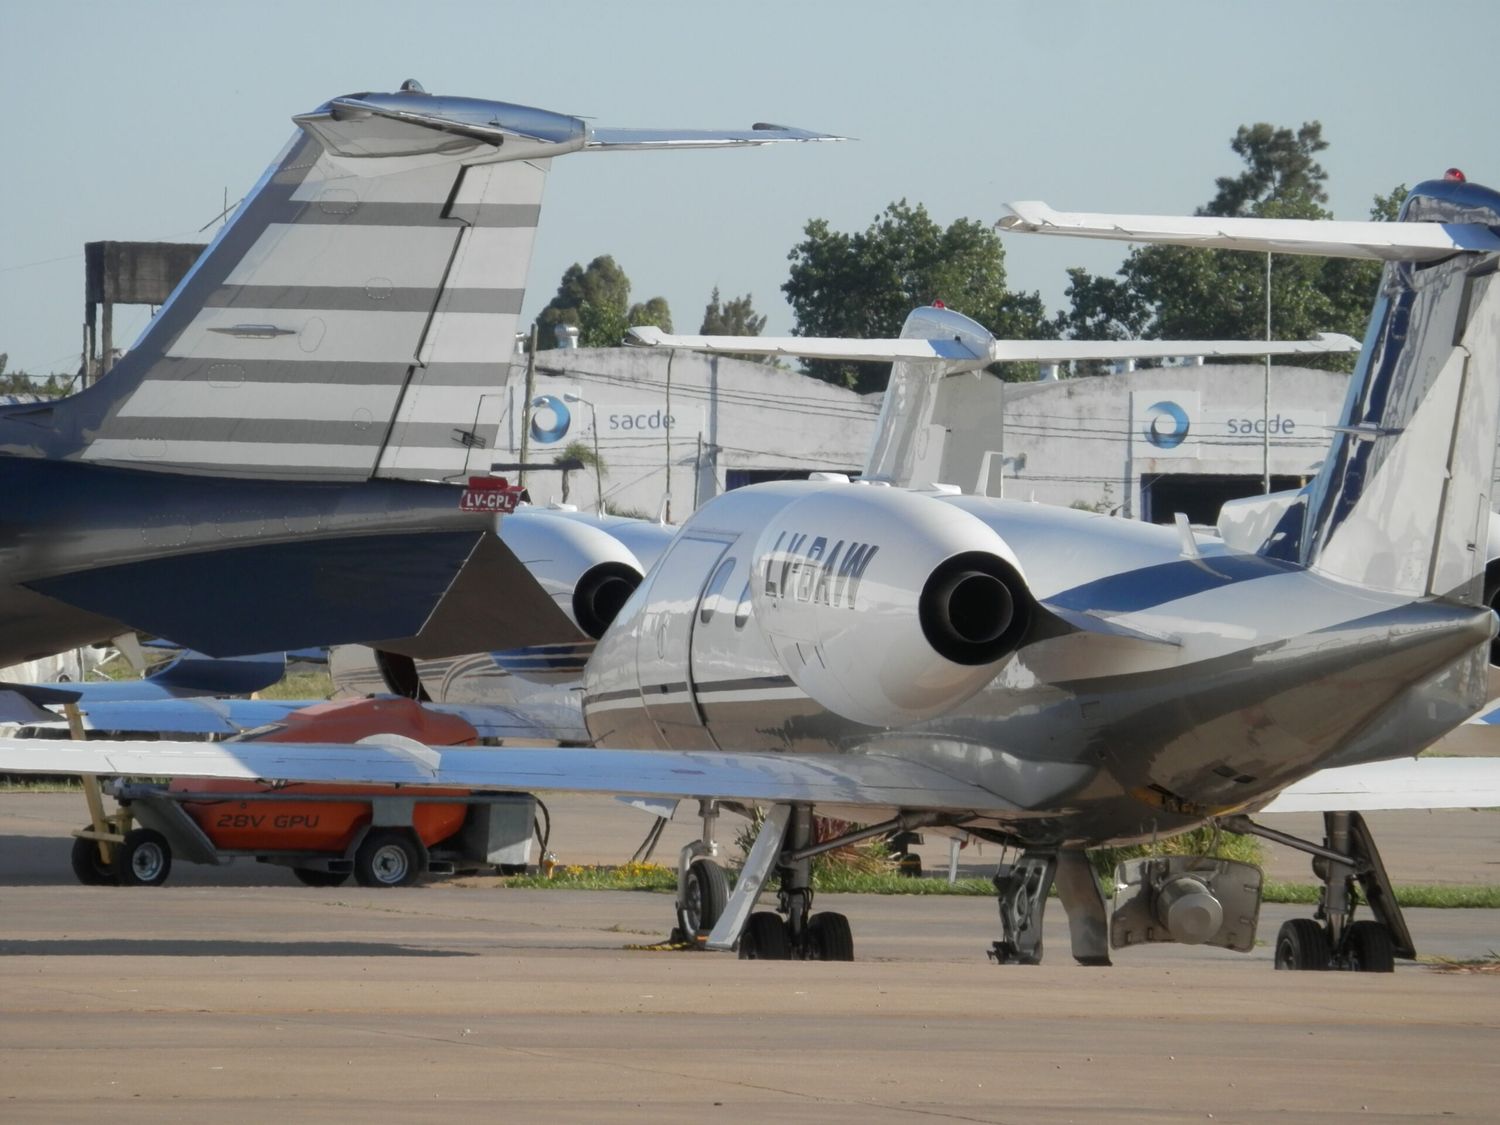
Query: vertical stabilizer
{"x":1402,"y":501}
{"x":358,"y":315}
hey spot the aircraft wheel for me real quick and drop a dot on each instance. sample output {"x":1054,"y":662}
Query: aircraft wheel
{"x":143,"y":860}
{"x":1302,"y":945}
{"x":387,"y":858}
{"x":829,"y":938}
{"x":90,"y":869}
{"x":1368,"y":948}
{"x":705,"y":891}
{"x":765,"y":938}
{"x":313,"y":877}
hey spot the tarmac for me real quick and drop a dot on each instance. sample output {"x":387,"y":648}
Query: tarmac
{"x":235,"y":994}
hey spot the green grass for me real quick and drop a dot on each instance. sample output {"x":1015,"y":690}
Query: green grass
{"x":314,"y":683}
{"x":653,"y":877}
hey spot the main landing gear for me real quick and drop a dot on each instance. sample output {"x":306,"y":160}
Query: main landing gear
{"x":785,"y":847}
{"x":1332,"y":939}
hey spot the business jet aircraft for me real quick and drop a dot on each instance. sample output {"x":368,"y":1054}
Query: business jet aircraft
{"x":255,"y":473}
{"x":896,"y":652}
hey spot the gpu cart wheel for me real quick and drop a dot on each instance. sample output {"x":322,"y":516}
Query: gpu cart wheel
{"x":143,"y":860}
{"x":387,"y":858}
{"x":87,"y":866}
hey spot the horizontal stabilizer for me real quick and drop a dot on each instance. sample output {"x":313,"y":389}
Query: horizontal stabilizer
{"x":1407,"y":783}
{"x":1418,"y":242}
{"x":621,"y":139}
{"x":838,"y":780}
{"x":957,"y":351}
{"x":493,"y":603}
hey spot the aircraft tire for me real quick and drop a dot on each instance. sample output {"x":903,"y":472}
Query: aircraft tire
{"x":1301,"y":944}
{"x":386,"y":858}
{"x":765,"y":938}
{"x":313,"y":877}
{"x":88,"y":867}
{"x":829,"y":937}
{"x":143,"y":860}
{"x":1368,"y":948}
{"x":705,"y":892}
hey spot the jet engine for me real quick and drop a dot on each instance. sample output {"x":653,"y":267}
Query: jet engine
{"x":588,"y":572}
{"x":887,"y":606}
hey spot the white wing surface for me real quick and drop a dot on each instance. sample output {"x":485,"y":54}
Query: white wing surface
{"x":852,"y":781}
{"x":1407,"y":783}
{"x":1419,"y":242}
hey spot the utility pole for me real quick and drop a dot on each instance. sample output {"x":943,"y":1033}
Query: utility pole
{"x":526,"y":406}
{"x":1265,"y":437}
{"x":670,"y":356}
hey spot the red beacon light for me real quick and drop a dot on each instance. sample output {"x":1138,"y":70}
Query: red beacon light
{"x":1456,"y":175}
{"x":938,"y":304}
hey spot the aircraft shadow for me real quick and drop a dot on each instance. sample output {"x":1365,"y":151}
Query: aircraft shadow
{"x":177,"y":947}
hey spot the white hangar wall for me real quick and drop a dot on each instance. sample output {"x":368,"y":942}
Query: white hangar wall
{"x":1140,"y":443}
{"x":695,"y":425}
{"x":1144,"y":444}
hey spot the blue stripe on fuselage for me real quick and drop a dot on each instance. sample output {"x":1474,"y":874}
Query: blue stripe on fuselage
{"x":1151,"y":586}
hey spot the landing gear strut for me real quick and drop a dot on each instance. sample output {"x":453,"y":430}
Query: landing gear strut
{"x":1332,"y":938}
{"x":804,"y":936}
{"x":1021,"y":889}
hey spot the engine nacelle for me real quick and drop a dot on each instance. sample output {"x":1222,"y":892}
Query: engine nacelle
{"x":886,"y":606}
{"x":588,"y":572}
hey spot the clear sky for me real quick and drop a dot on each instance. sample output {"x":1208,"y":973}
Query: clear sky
{"x":130,"y":120}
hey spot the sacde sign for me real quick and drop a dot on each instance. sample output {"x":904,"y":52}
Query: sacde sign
{"x":650,"y":418}
{"x":1176,"y":424}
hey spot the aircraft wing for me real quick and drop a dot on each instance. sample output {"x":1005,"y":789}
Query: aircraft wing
{"x":850,"y":781}
{"x":199,"y":715}
{"x":1418,"y":242}
{"x":1406,"y":783}
{"x":954,"y":351}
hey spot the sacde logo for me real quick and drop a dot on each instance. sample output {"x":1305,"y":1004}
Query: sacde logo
{"x":1169,"y":425}
{"x":550,"y":418}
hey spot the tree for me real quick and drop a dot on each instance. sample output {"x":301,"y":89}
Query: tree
{"x":1167,"y":292}
{"x":732,"y":318}
{"x":578,"y":450}
{"x":865,"y":284}
{"x":596,"y":300}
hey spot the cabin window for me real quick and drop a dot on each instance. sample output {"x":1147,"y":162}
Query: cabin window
{"x":712,"y":591}
{"x":742,"y":611}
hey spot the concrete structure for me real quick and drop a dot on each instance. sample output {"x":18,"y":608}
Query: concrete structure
{"x":125,"y":273}
{"x":1146,"y":443}
{"x":686,"y":424}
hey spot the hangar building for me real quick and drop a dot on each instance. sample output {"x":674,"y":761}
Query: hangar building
{"x":1146,"y":444}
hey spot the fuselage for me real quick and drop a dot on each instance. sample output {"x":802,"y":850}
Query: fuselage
{"x":223,"y":565}
{"x":1158,"y":682}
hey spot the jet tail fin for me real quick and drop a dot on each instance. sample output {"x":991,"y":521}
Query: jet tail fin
{"x":357,"y":316}
{"x":1402,"y":502}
